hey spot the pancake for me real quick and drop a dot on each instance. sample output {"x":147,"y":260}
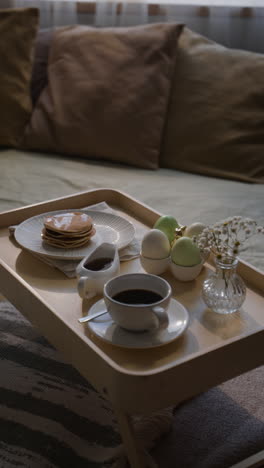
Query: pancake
{"x":71,"y":235}
{"x":69,"y":222}
{"x":67,"y":245}
{"x":68,"y":230}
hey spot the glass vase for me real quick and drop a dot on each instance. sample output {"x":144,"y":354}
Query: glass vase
{"x":224,"y":291}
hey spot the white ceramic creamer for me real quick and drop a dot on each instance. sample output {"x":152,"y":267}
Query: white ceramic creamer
{"x":96,"y":269}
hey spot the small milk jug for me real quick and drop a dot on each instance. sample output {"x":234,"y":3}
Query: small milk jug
{"x":96,"y":269}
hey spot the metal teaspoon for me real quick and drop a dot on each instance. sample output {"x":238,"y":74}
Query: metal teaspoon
{"x":87,"y":318}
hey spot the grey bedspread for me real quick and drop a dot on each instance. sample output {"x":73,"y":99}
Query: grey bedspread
{"x":32,"y":177}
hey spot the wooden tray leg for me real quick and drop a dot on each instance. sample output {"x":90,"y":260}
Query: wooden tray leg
{"x":134,"y":455}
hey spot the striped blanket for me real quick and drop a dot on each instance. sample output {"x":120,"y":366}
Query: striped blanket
{"x":49,"y":415}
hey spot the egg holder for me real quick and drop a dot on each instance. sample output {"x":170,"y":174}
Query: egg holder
{"x":181,"y":273}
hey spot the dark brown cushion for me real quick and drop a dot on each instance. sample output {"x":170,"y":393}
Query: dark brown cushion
{"x":215,"y":122}
{"x":107,"y":93}
{"x":39,"y":78}
{"x":18,"y":29}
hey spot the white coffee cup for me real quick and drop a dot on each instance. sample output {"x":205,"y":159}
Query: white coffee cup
{"x":141,"y":315}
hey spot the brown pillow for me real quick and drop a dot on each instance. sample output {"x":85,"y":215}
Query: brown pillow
{"x":18,"y":29}
{"x":215,"y":121}
{"x":39,"y":77}
{"x":107,"y":93}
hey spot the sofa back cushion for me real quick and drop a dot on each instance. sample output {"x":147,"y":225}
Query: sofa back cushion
{"x":18,"y":29}
{"x":215,"y":122}
{"x":107,"y":93}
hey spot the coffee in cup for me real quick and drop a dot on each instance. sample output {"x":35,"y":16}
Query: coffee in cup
{"x":138,"y":301}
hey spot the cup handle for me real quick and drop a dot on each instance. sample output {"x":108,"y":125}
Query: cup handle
{"x":82,"y":288}
{"x":161,"y":316}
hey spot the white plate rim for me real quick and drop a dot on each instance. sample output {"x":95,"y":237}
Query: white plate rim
{"x":57,"y":254}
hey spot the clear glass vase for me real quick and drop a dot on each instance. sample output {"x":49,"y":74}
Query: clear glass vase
{"x":224,"y":291}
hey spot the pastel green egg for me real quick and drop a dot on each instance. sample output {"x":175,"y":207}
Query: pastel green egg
{"x":167,"y":224}
{"x":185,"y":253}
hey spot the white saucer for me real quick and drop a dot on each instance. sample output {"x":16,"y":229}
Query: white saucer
{"x":105,"y":328}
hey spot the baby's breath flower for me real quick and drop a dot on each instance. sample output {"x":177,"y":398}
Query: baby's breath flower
{"x":228,"y":236}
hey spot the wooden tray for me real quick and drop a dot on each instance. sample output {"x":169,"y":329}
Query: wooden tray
{"x":213,"y":349}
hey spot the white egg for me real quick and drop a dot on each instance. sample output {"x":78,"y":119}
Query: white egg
{"x":155,"y":245}
{"x":194,"y":229}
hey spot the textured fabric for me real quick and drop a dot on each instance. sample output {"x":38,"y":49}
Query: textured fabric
{"x":27,"y":178}
{"x":39,"y":77}
{"x":215,"y":123}
{"x":218,"y":428}
{"x":51,"y":417}
{"x":18,"y":29}
{"x":107,"y":93}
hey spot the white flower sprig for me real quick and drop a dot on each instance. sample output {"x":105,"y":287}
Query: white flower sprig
{"x":226,"y":238}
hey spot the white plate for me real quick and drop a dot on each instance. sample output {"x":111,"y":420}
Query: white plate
{"x":105,"y":328}
{"x":109,"y":228}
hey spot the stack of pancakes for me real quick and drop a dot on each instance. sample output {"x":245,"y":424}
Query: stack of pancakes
{"x":68,"y":230}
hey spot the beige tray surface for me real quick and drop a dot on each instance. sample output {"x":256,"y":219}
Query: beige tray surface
{"x":213,"y":349}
